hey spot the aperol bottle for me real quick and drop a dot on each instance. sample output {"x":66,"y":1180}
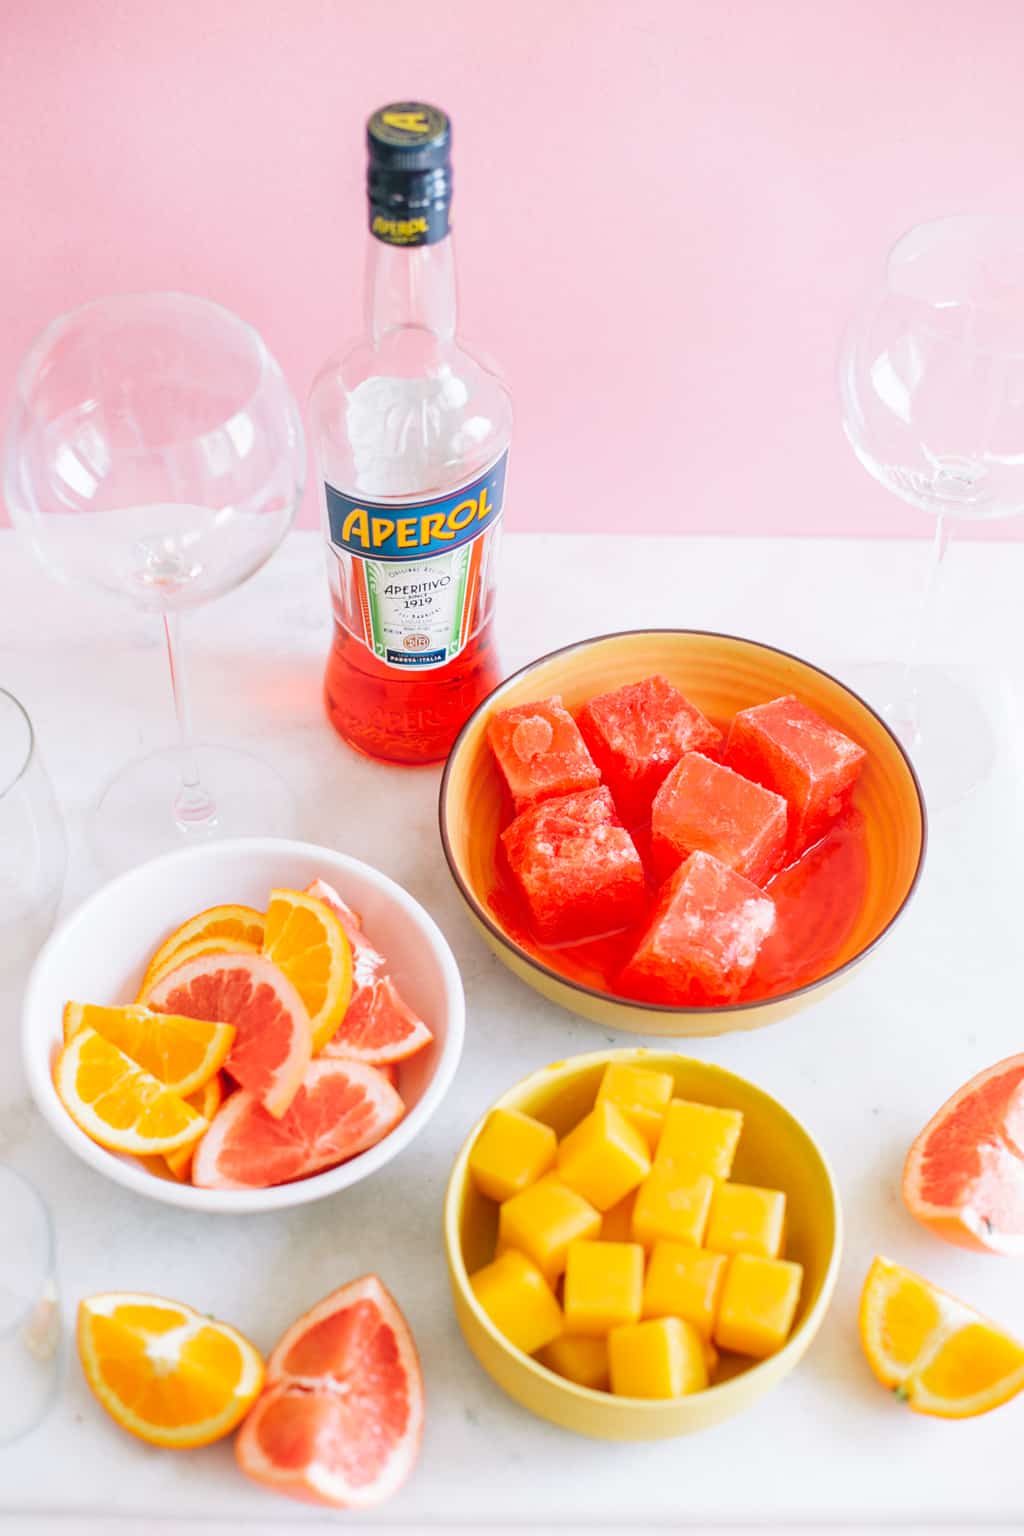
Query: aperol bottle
{"x":411,"y":434}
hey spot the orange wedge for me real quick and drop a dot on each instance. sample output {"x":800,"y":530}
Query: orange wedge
{"x":211,"y":945}
{"x":307,"y":942}
{"x":228,"y":925}
{"x":165,"y":1372}
{"x":118,"y":1104}
{"x":206,"y":1102}
{"x":181,"y":1053}
{"x":937,"y":1354}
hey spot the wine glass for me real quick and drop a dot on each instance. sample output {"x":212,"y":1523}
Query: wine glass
{"x":33,"y":848}
{"x":155,"y":451}
{"x":30,"y":1323}
{"x":932,"y":385}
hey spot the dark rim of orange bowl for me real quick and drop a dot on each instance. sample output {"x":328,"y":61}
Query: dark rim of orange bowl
{"x":634,"y":1004}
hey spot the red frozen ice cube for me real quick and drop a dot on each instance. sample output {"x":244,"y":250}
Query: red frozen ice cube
{"x":540,"y":752}
{"x":703,"y":939}
{"x":576,"y":865}
{"x":787,"y":747}
{"x":638,"y":733}
{"x":703,"y":806}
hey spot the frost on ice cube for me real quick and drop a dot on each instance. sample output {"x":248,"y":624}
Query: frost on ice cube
{"x":786,"y":746}
{"x":704,"y":937}
{"x":576,"y":866}
{"x":540,"y":752}
{"x":703,"y":806}
{"x":638,"y":733}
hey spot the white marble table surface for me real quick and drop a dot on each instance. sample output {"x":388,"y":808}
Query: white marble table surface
{"x":939,"y":1000}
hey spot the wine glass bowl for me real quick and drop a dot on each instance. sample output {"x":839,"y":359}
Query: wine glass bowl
{"x":155,"y":452}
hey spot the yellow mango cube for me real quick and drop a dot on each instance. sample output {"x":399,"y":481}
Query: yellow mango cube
{"x":604,"y":1157}
{"x":746,"y":1219}
{"x":641,"y":1094}
{"x":684,"y":1282}
{"x":660,"y":1358}
{"x":579,"y":1359}
{"x":759,"y":1302}
{"x":604,"y":1286}
{"x":518,"y":1301}
{"x":511,"y":1152}
{"x":699,"y":1138}
{"x":543,"y":1221}
{"x":617,"y":1224}
{"x":672,"y":1207}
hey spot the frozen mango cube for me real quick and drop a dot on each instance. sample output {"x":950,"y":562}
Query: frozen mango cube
{"x":704,"y":805}
{"x":604,"y":1284}
{"x":759,"y":1302}
{"x":699,"y":1138}
{"x":672,"y":1206}
{"x":604,"y":1157}
{"x":542,"y":1222}
{"x":578,"y":1358}
{"x":511,"y":1152}
{"x":617,"y":1224}
{"x":661,"y":1358}
{"x":640,"y":1093}
{"x":684,"y":1282}
{"x":540,"y":752}
{"x":518,"y":1301}
{"x":577,"y":867}
{"x":786,"y":746}
{"x":704,"y":937}
{"x":746,"y":1219}
{"x":636,"y":734}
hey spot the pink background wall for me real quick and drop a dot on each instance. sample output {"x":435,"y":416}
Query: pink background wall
{"x":665,"y":208}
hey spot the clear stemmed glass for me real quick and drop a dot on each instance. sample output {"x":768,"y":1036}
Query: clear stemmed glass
{"x":155,"y":451}
{"x":30,"y":1324}
{"x":932,"y":384}
{"x":33,"y":848}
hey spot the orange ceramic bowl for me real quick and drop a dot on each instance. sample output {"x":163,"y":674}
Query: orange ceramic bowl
{"x":721,"y":674}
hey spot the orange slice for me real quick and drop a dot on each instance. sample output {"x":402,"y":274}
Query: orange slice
{"x":179,"y":1052}
{"x":304,"y":939}
{"x":964,"y":1174}
{"x":227,"y":925}
{"x":191,"y":951}
{"x":938,"y":1355}
{"x":206,"y":1102}
{"x":118,"y":1104}
{"x":164,"y":1372}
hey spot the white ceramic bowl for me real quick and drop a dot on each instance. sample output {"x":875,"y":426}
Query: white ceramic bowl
{"x":99,"y":954}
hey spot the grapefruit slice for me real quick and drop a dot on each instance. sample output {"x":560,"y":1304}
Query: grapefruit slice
{"x":165,"y":1372}
{"x":183,"y":1054}
{"x":273,"y":1040}
{"x":192,"y":951}
{"x":937,"y":1354}
{"x":341,"y":1418}
{"x":378,"y":1025}
{"x":341,"y":1109}
{"x":964,"y":1175}
{"x":306,"y":940}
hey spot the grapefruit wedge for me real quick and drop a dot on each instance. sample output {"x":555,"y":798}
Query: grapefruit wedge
{"x":273,"y":1039}
{"x":964,"y":1175}
{"x":341,"y":1417}
{"x":378,"y":1025}
{"x":340,"y":1109}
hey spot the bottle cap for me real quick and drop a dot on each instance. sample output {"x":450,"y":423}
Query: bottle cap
{"x":409,"y":178}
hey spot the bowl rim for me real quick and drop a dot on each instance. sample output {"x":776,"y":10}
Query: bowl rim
{"x":782,"y":1361}
{"x":36,"y":1061}
{"x":634,"y":1005}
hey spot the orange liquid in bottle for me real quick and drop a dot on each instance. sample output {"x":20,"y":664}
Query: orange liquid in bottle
{"x":403,"y":717}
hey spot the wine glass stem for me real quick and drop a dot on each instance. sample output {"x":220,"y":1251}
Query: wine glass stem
{"x":911,"y":677}
{"x":194,"y":809}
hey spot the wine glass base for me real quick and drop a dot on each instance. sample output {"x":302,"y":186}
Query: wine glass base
{"x":135,"y":819}
{"x":941,"y":721}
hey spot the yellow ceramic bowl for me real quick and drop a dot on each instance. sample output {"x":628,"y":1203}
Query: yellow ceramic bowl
{"x":721,"y":674}
{"x":775,"y":1150}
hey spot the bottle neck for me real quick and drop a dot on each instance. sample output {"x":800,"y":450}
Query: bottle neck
{"x":410,"y":286}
